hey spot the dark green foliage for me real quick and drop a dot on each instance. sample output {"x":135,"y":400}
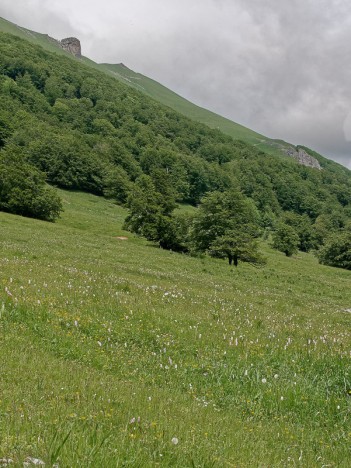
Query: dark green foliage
{"x":87,"y":131}
{"x":4,"y":133}
{"x":223,"y":212}
{"x":117,"y":184}
{"x":235,"y":246}
{"x":145,"y":206}
{"x":328,"y":223}
{"x":227,"y":227}
{"x":302,"y":225}
{"x":337,"y":250}
{"x":150,"y":215}
{"x":286,"y":239}
{"x":23,"y":190}
{"x":91,"y":89}
{"x":68,"y":162}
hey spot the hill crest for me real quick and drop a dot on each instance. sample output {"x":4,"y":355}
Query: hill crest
{"x":165,"y":96}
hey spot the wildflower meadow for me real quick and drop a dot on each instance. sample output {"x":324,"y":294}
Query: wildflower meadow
{"x":114,"y":352}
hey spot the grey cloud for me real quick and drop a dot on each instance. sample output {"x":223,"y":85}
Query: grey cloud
{"x":279,"y":67}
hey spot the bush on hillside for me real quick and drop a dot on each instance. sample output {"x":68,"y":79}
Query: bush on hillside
{"x":337,"y":251}
{"x":286,"y":239}
{"x":23,"y":190}
{"x":235,"y":246}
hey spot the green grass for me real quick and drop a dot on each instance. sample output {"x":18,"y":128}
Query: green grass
{"x":245,"y":367}
{"x":36,"y":38}
{"x":171,"y":99}
{"x":158,"y":92}
{"x":185,"y":107}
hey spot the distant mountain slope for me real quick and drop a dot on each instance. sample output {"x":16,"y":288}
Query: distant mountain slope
{"x":159,"y":92}
{"x":182,"y":105}
{"x":72,"y":124}
{"x":43,"y":40}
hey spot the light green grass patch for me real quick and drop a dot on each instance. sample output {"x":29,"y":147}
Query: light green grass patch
{"x":111,"y":348}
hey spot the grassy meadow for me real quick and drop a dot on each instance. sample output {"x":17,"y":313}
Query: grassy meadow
{"x":116,"y":353}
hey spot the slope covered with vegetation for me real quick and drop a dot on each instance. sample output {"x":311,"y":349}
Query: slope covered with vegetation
{"x":187,"y":108}
{"x":87,"y":131}
{"x":114,"y":353}
{"x":117,"y":353}
{"x":158,"y":92}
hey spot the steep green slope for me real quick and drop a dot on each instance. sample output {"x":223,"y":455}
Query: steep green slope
{"x":197,"y":113}
{"x":43,"y":40}
{"x":86,"y":130}
{"x":121,"y":347}
{"x":117,"y":353}
{"x":158,"y":92}
{"x":185,"y":107}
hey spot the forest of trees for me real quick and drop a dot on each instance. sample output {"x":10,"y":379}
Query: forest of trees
{"x":68,"y":126}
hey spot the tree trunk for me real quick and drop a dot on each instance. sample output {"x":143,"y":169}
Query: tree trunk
{"x":235,"y":260}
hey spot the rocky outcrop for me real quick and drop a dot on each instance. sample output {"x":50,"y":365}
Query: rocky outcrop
{"x":303,"y":158}
{"x":72,"y":45}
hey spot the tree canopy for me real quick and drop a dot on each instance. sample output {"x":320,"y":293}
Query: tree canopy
{"x":286,"y":239}
{"x":77,"y":128}
{"x":23,"y":190}
{"x":337,"y":250}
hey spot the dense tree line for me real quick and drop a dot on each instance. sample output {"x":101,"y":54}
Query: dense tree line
{"x":67,"y":125}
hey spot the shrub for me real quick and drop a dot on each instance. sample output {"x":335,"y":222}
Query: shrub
{"x":285,"y":239}
{"x":23,"y":190}
{"x":337,"y":251}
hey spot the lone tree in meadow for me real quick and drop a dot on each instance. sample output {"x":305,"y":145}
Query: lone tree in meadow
{"x":226,"y":226}
{"x":235,"y":246}
{"x":285,"y":239}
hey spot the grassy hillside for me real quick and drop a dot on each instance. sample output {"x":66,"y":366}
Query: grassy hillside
{"x":158,"y":92}
{"x":36,"y":38}
{"x":116,"y":353}
{"x":185,"y":107}
{"x":194,"y":112}
{"x":84,"y":130}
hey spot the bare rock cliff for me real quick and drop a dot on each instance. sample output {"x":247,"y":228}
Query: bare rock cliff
{"x":72,"y":45}
{"x":303,"y":158}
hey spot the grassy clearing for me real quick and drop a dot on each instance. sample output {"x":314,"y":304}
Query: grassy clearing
{"x":111,"y":348}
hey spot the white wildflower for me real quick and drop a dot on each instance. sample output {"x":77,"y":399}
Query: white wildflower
{"x":33,"y":461}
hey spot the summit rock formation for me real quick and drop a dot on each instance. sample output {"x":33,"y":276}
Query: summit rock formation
{"x":72,"y":45}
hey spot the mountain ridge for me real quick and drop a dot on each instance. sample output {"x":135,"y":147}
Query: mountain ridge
{"x":168,"y":97}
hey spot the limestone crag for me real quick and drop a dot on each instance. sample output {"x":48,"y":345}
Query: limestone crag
{"x":72,"y":45}
{"x":303,"y":158}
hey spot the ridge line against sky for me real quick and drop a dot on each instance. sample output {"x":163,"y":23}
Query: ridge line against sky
{"x":280,"y":68}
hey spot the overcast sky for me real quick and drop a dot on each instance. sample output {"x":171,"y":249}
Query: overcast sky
{"x":280,"y":67}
